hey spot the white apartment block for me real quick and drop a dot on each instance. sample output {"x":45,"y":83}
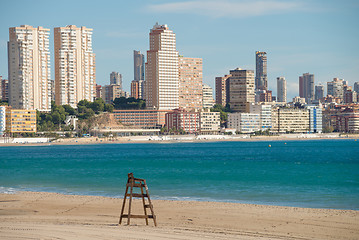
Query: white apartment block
{"x":210,"y":121}
{"x":265,"y":113}
{"x":244,"y":122}
{"x":29,"y":68}
{"x":162,"y":77}
{"x":290,"y":120}
{"x":315,"y":119}
{"x":75,"y":74}
{"x":2,"y":120}
{"x":207,"y":98}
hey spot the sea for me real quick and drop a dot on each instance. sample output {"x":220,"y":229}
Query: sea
{"x":303,"y":173}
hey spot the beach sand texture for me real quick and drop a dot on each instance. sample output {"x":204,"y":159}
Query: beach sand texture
{"x":32,"y":215}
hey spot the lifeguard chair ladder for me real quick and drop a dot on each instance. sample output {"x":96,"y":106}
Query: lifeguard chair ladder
{"x":133,"y":182}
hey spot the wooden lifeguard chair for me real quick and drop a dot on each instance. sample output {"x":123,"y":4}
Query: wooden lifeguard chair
{"x":133,"y":182}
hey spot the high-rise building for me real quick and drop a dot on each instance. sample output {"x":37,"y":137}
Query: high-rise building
{"x":315,"y":119}
{"x":138,"y":89}
{"x":162,"y":70}
{"x":281,"y":89}
{"x":29,"y":68}
{"x":75,"y":73}
{"x":335,"y":88}
{"x":116,"y":79}
{"x":261,"y":71}
{"x":98,"y":91}
{"x":241,"y":89}
{"x":319,"y":92}
{"x":111,"y":92}
{"x":222,"y":90}
{"x":306,"y":87}
{"x":190,"y":83}
{"x":356,"y":87}
{"x":207,"y":98}
{"x":139,"y":63}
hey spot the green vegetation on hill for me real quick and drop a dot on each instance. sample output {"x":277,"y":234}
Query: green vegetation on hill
{"x":123,"y":103}
{"x":223,"y":112}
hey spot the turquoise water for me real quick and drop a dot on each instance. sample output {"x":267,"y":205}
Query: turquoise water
{"x":318,"y":173}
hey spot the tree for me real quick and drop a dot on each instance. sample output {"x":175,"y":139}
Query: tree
{"x":70,"y":110}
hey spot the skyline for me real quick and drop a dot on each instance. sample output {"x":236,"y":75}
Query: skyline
{"x":326,"y":48}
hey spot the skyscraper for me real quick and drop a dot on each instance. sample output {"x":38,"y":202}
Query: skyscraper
{"x":162,"y":70}
{"x":281,"y":89}
{"x":241,"y":89}
{"x":319,"y":92}
{"x":356,"y":87}
{"x":190,"y":83}
{"x":261,"y":71}
{"x":335,"y":88}
{"x":75,"y":76}
{"x":29,"y":68}
{"x":116,"y":79}
{"x":306,"y":87}
{"x":222,"y":90}
{"x":139,"y":63}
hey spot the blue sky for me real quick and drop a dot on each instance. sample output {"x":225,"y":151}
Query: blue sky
{"x":319,"y":37}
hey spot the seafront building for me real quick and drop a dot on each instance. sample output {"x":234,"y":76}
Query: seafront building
{"x":244,"y":122}
{"x":209,"y":122}
{"x":116,"y":79}
{"x":180,"y":119}
{"x":241,"y":90}
{"x":222,"y":90}
{"x":306,"y":87}
{"x":29,"y":68}
{"x":281,"y":90}
{"x":190,"y":83}
{"x":75,"y":73}
{"x":162,"y":70}
{"x":2,"y":120}
{"x":20,"y":120}
{"x":261,"y":80}
{"x":265,"y":115}
{"x":141,"y":118}
{"x":315,"y":118}
{"x":295,"y":120}
{"x":207,"y":98}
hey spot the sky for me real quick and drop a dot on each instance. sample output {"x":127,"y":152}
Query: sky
{"x":316,"y":36}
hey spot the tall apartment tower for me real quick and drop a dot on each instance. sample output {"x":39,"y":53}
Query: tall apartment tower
{"x":281,"y":89}
{"x":116,"y":79}
{"x":335,"y":88}
{"x":138,"y":85}
{"x":162,"y":70}
{"x":75,"y":72}
{"x":208,"y":100}
{"x":29,"y":68}
{"x":241,"y":90}
{"x":319,"y":92}
{"x":222,"y":90}
{"x":356,"y":87}
{"x":138,"y":65}
{"x":190,"y":83}
{"x":306,"y":87}
{"x":261,"y":71}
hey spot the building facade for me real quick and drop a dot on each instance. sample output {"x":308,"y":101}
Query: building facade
{"x":75,"y":72}
{"x":207,"y":97}
{"x":306,"y":87}
{"x":315,"y":119}
{"x":241,"y":89}
{"x":319,"y":92}
{"x":261,"y":80}
{"x":294,"y":120}
{"x":29,"y":68}
{"x":138,"y":66}
{"x":190,"y":83}
{"x":265,"y":115}
{"x":116,"y":79}
{"x":2,"y":120}
{"x":244,"y":122}
{"x":141,"y":118}
{"x":281,"y":89}
{"x":222,"y":90}
{"x":111,"y":92}
{"x":20,"y":120}
{"x":210,"y":121}
{"x":181,"y":119}
{"x":162,"y":70}
{"x":335,"y":88}
{"x":138,"y":89}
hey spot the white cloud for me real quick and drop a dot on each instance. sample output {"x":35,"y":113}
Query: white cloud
{"x":226,"y":8}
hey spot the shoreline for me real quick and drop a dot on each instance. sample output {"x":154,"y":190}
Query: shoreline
{"x":182,"y":139}
{"x":54,"y":215}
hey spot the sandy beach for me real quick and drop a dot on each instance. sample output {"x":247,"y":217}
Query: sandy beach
{"x":32,"y":215}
